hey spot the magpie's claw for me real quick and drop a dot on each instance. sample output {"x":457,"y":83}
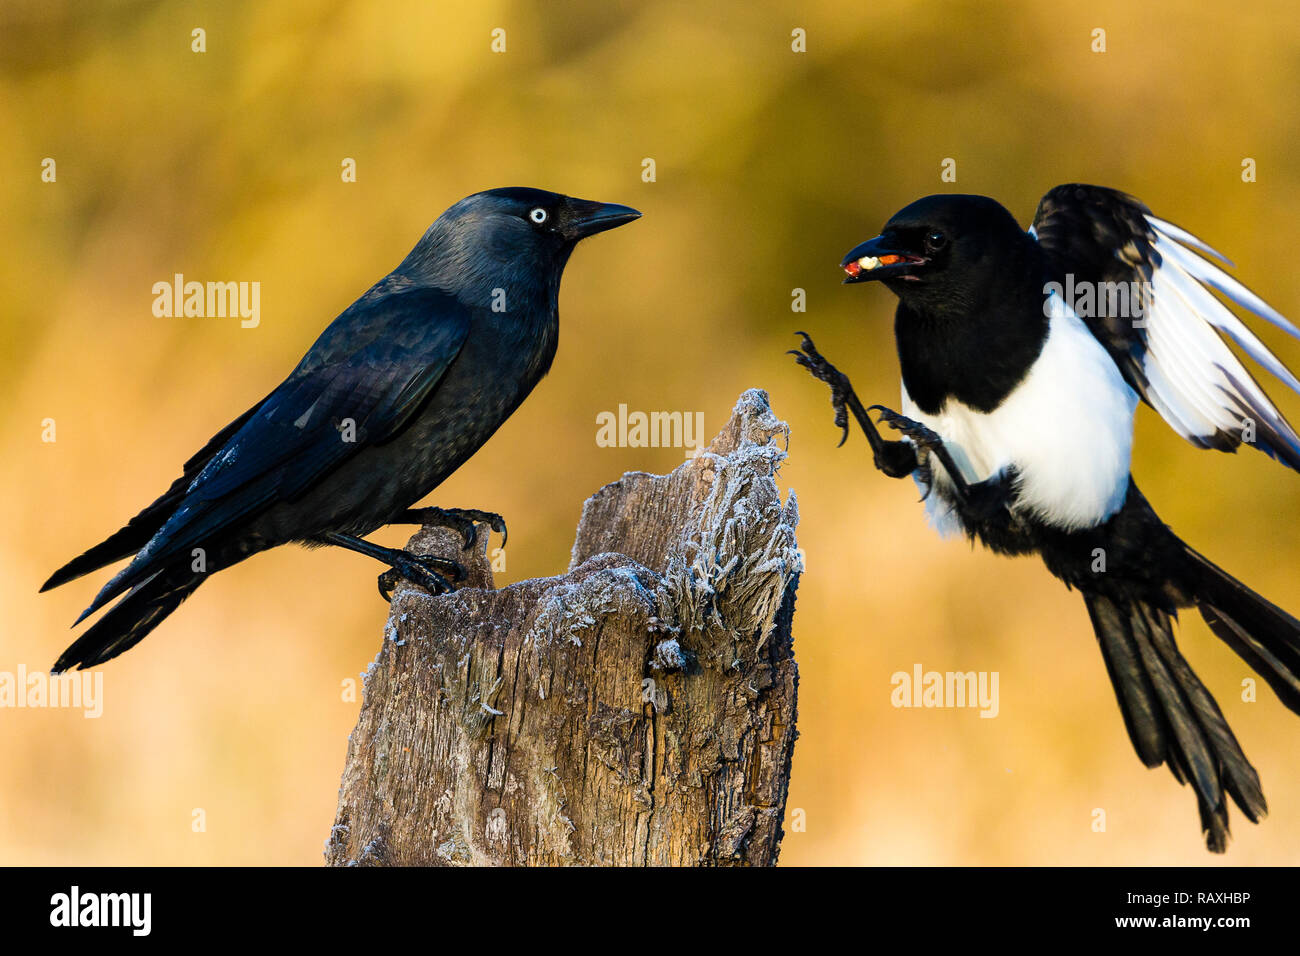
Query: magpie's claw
{"x":920,"y":435}
{"x":823,"y":370}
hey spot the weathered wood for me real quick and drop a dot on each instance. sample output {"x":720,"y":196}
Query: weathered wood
{"x":640,"y":709}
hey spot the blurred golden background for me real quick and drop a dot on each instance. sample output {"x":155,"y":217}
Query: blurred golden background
{"x":770,"y":164}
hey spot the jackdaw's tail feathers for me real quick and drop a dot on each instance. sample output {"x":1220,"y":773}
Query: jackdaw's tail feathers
{"x":121,"y":544}
{"x":128,"y":621}
{"x":130,"y":539}
{"x":1170,"y":716}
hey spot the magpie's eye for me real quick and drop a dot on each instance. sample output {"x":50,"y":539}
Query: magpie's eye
{"x":935,"y":240}
{"x":539,"y":215}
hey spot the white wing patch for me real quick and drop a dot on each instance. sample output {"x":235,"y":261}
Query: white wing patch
{"x":1195,"y":381}
{"x":1067,"y":429}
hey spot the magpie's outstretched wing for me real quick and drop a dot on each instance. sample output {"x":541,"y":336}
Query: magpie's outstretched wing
{"x":1170,"y":353}
{"x":358,"y":386}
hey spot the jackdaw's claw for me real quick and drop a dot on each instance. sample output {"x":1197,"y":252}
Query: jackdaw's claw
{"x":920,"y":435}
{"x":476,"y":517}
{"x":423,"y":570}
{"x":821,"y":369}
{"x":464,"y":521}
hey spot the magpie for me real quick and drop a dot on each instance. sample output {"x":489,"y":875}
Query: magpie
{"x":395,"y":395}
{"x":1023,"y":357}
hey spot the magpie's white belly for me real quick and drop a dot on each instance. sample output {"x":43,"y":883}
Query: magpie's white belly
{"x":1067,"y":428}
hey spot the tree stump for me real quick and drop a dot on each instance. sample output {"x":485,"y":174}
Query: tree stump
{"x":638,"y":710}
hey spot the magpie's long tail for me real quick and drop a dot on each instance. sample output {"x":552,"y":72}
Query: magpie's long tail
{"x":1170,"y":715}
{"x":128,"y":621}
{"x":1263,"y":635}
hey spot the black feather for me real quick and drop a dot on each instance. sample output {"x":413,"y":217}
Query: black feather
{"x":130,"y":620}
{"x":145,"y":525}
{"x":396,"y":393}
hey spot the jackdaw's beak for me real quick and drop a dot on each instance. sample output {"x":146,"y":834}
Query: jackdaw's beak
{"x":877,"y":259}
{"x":589,"y":218}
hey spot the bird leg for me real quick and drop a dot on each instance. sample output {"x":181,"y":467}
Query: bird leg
{"x":897,"y":459}
{"x":461,"y":520}
{"x":425,"y":570}
{"x":979,"y":500}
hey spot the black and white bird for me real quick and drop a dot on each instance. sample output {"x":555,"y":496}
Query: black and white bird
{"x":1023,"y":357}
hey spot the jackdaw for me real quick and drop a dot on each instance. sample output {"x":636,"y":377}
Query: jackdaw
{"x":396,"y":394}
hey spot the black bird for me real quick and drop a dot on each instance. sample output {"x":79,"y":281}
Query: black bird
{"x":1023,"y":356}
{"x":396,"y":394}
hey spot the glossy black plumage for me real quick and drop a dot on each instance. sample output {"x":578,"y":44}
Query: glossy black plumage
{"x":399,"y":391}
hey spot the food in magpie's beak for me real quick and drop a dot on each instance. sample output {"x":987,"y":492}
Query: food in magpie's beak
{"x":867,"y":263}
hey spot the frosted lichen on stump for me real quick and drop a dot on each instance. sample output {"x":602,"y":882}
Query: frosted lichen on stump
{"x":639,"y":709}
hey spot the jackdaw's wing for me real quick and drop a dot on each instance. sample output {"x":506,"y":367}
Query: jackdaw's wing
{"x":1167,"y":347}
{"x":367,"y":374}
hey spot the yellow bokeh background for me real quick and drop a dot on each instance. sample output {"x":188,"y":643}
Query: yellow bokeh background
{"x":225,"y":165}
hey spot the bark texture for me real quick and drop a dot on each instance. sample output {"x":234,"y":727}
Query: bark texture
{"x":639,"y":709}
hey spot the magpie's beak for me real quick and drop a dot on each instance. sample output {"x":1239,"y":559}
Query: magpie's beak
{"x":589,"y":218}
{"x":877,"y":259}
